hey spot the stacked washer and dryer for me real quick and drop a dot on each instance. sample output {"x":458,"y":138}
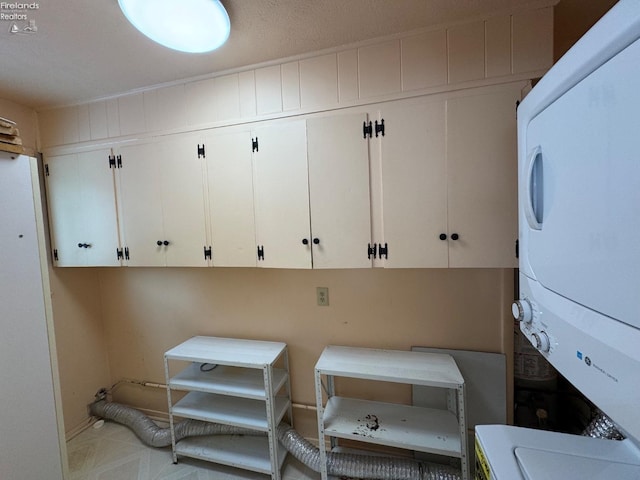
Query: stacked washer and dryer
{"x":579,"y":230}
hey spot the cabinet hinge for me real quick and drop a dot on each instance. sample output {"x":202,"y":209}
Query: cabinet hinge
{"x":260,"y":252}
{"x":112,"y":161}
{"x":367,"y":130}
{"x":380,"y":127}
{"x":254,"y":144}
{"x":201,"y":151}
{"x":207,"y":253}
{"x":383,"y":250}
{"x":126,"y":253}
{"x":46,"y":169}
{"x":119,"y":161}
{"x":55,"y":254}
{"x":517,"y":248}
{"x":371,"y":250}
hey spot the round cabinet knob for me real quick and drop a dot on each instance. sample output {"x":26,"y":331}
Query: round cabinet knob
{"x":522,"y":311}
{"x":80,"y":245}
{"x":541,"y":341}
{"x":316,"y":241}
{"x":165,"y":243}
{"x":455,"y":236}
{"x":305,"y":241}
{"x":159,"y":243}
{"x":443,"y":236}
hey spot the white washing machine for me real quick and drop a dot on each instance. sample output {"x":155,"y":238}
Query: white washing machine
{"x":579,"y":233}
{"x":514,"y":453}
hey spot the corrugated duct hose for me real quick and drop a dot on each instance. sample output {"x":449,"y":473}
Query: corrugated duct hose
{"x":602,"y":427}
{"x":338,"y":464}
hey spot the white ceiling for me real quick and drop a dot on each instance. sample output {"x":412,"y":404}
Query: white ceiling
{"x":84,"y":50}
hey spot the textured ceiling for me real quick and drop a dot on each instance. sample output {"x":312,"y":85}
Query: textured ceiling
{"x":84,"y":50}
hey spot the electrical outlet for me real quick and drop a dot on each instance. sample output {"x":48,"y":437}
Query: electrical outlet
{"x":322,"y":293}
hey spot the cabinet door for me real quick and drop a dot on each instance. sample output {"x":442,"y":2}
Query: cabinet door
{"x":230,"y":182}
{"x":339,"y":191}
{"x":282,"y":195}
{"x":82,"y":206}
{"x":414,"y":189}
{"x":161,"y":185}
{"x":482,"y":178}
{"x":182,"y":198}
{"x":141,"y":205}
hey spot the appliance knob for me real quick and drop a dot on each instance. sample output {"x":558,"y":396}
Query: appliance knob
{"x":541,"y":341}
{"x":522,"y":311}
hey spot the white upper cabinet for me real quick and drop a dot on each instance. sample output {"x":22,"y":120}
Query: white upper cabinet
{"x":446,"y":192}
{"x":413,"y":185}
{"x":230,"y":186}
{"x":339,"y":191}
{"x":162,"y":203}
{"x":416,"y":183}
{"x":281,"y":191}
{"x":482,"y":178}
{"x":82,"y":207}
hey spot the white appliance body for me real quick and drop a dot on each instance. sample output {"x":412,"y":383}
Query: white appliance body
{"x":513,"y":453}
{"x":579,"y":230}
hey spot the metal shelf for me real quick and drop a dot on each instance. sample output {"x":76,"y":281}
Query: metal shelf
{"x":240,"y":412}
{"x":246,"y":452}
{"x":245,"y":389}
{"x":403,"y":426}
{"x":390,"y":366}
{"x":228,"y":351}
{"x":225,"y":380}
{"x":430,"y":430}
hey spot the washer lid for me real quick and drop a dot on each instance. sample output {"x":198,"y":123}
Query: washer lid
{"x":537,"y":464}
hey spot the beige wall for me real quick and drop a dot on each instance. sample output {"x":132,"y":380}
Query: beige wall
{"x":80,"y":341}
{"x":146,"y":311}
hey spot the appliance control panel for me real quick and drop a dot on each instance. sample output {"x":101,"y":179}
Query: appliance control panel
{"x":524,"y":311}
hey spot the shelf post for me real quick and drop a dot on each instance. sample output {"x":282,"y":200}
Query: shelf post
{"x":171,"y":423}
{"x":321,"y":440}
{"x":271,"y":415}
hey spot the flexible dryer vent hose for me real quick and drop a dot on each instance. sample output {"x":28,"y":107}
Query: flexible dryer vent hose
{"x":602,"y":427}
{"x":338,"y":464}
{"x":155,"y":436}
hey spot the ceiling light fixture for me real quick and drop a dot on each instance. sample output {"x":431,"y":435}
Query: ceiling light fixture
{"x":193,"y":26}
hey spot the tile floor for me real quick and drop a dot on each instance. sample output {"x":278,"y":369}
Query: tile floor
{"x":113,"y":452}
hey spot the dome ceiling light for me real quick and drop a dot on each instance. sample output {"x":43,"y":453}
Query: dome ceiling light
{"x":193,"y":26}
